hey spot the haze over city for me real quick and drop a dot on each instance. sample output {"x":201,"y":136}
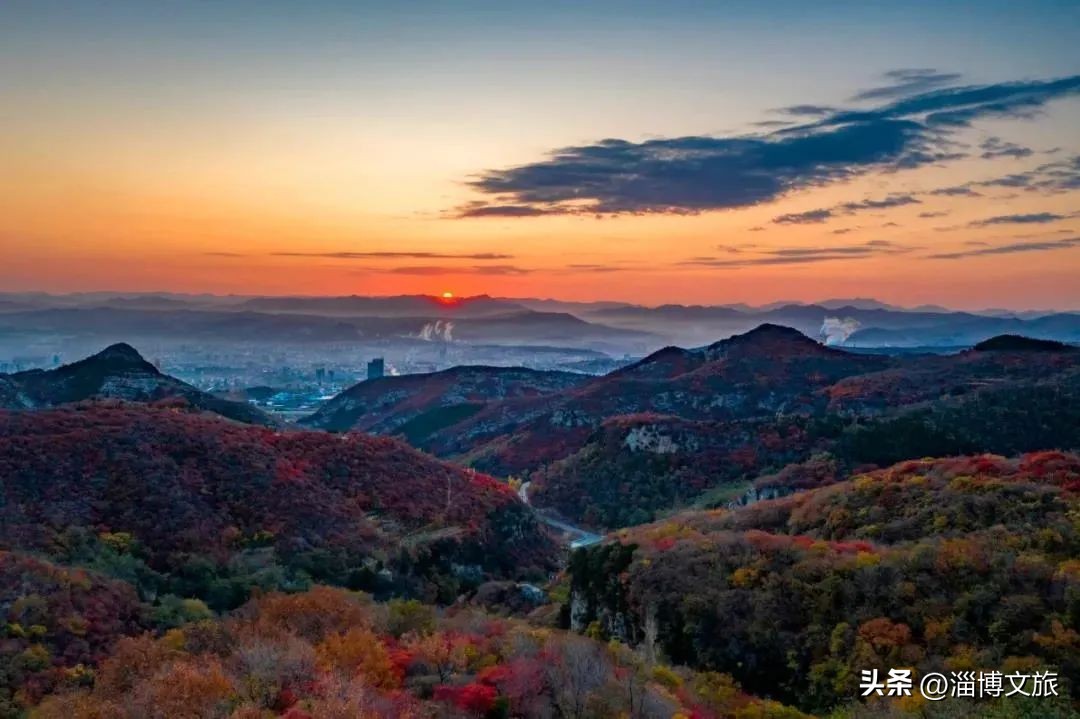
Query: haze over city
{"x":683,"y":152}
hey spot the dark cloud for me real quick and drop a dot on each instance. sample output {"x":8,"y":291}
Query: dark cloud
{"x":843,"y":230}
{"x":1010,"y":249}
{"x":882,"y":204}
{"x":995,"y":147}
{"x":1036,"y":218}
{"x":804,"y":218}
{"x":1049,"y":178}
{"x":452,"y":270}
{"x":1020,"y":179}
{"x":907,"y":82}
{"x":845,"y":208}
{"x":807,"y":110}
{"x":759,"y":228}
{"x":479,"y":209}
{"x":694,"y":174}
{"x":957,"y":191}
{"x":397,"y":255}
{"x":927,"y":215}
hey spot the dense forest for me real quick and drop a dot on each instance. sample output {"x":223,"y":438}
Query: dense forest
{"x":956,"y":564}
{"x":786,"y":516}
{"x":182,"y":503}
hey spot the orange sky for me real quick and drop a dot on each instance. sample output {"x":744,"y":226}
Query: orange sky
{"x":257,"y":178}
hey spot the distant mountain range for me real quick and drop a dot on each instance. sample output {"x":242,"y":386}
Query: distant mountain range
{"x":614,"y":327}
{"x":119,"y":373}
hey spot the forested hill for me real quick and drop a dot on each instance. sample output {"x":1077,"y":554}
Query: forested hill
{"x":117,"y":372}
{"x":209,"y":508}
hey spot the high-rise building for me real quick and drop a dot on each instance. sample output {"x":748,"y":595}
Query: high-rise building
{"x":376,"y":368}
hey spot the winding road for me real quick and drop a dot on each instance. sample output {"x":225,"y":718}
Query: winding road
{"x":584,"y":538}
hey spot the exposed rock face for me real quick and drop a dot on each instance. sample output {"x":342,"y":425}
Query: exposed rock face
{"x":759,"y":494}
{"x":650,"y":438}
{"x":579,"y":611}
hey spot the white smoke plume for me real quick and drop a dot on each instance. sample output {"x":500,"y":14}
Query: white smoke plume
{"x":438,"y":331}
{"x":835,"y":331}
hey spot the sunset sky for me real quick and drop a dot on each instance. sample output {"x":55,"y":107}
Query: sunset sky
{"x":655,"y":152}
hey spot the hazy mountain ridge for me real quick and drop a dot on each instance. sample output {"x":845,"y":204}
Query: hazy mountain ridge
{"x":611,"y":326}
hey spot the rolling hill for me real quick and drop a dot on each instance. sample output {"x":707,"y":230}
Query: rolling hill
{"x":928,"y":564}
{"x":417,"y":405}
{"x":196,"y":502}
{"x":118,"y":372}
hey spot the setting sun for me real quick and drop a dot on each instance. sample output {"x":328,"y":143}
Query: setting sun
{"x":448,"y":295}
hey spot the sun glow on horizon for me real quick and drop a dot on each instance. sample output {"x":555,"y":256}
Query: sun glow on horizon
{"x":448,"y":295}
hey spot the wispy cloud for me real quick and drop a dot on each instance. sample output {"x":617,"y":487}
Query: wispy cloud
{"x":1048,"y":178}
{"x":455,"y":270}
{"x":995,"y":147}
{"x":804,"y":255}
{"x":480,"y":209}
{"x":807,"y":110}
{"x":594,"y":268}
{"x":398,"y":255}
{"x":938,"y":213}
{"x":1015,"y":247}
{"x":956,"y":191}
{"x":804,"y":218}
{"x":736,"y":249}
{"x":913,"y":125}
{"x":882,"y":204}
{"x":845,"y":208}
{"x":909,"y":81}
{"x":1035,"y":218}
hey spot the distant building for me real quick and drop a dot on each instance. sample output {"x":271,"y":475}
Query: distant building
{"x":376,"y":368}
{"x":320,"y":375}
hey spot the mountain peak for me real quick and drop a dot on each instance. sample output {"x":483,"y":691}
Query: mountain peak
{"x":768,"y":337}
{"x":119,"y":352}
{"x":768,"y":329}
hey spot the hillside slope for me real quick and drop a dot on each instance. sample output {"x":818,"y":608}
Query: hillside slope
{"x":417,"y":405}
{"x":933,"y":564}
{"x":201,"y":501}
{"x":117,"y":372}
{"x":768,"y":371}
